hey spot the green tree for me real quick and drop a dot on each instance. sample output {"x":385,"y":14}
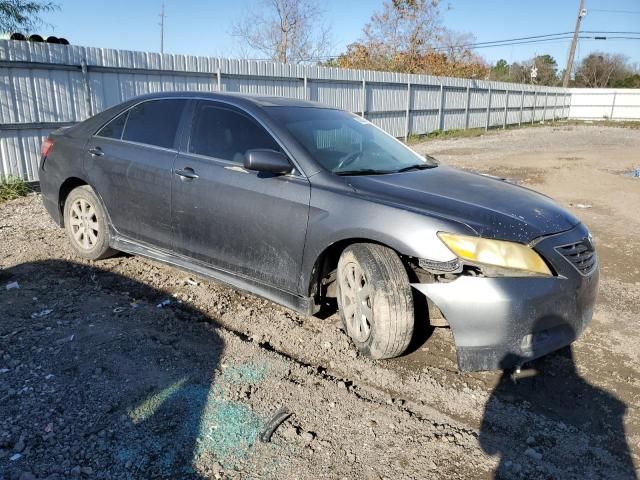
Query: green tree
{"x":21,"y":15}
{"x":547,"y":70}
{"x":501,"y":71}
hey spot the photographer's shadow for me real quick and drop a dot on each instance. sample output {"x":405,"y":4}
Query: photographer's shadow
{"x":547,"y":418}
{"x":127,"y":377}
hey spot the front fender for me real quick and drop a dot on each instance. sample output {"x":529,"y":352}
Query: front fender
{"x":337,"y":216}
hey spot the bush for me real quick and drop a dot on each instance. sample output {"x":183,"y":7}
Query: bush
{"x":12,"y":187}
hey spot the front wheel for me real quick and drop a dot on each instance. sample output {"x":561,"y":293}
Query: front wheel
{"x":86,"y":224}
{"x":375,"y":300}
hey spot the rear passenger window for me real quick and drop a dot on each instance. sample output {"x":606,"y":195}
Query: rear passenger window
{"x":226,"y":134}
{"x":154,"y":122}
{"x":114,"y":128}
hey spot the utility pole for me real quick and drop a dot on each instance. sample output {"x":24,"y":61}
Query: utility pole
{"x":572,"y":52}
{"x":162,"y":29}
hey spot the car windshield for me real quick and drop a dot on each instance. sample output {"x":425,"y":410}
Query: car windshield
{"x":346,"y":144}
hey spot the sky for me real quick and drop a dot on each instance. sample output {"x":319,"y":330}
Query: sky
{"x":203,"y":27}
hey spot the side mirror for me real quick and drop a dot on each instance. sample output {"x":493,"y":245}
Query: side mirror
{"x":265,"y":160}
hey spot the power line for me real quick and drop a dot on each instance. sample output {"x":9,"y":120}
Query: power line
{"x":532,"y":39}
{"x":614,"y":11}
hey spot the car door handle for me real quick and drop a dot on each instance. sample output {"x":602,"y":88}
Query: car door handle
{"x":186,"y":174}
{"x":96,"y":152}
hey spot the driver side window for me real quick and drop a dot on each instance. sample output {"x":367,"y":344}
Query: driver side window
{"x":226,"y":134}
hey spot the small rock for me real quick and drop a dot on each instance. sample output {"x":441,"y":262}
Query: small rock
{"x":308,"y":437}
{"x":289,"y":432}
{"x":19,"y":446}
{"x":15,"y":456}
{"x":86,"y":471}
{"x":530,"y":452}
{"x":75,"y":471}
{"x":341,"y":384}
{"x":531,"y":441}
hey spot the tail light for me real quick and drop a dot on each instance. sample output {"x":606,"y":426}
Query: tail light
{"x":46,"y":147}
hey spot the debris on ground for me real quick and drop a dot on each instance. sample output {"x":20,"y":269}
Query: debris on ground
{"x":164,"y":303}
{"x":65,"y":339}
{"x":272,"y":425}
{"x":12,"y":286}
{"x":42,"y":313}
{"x":580,"y":205}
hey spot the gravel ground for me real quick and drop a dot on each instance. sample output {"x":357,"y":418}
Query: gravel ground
{"x":126,"y":368}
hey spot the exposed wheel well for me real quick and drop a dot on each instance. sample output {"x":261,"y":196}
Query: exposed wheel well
{"x":322,"y":283}
{"x":65,"y":189}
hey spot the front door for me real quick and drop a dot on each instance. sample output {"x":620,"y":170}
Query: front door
{"x":249,"y":223}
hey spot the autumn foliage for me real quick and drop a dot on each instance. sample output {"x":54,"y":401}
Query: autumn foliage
{"x":407,"y":36}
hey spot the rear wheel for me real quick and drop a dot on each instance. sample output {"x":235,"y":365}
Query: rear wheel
{"x":375,"y":300}
{"x":86,"y":224}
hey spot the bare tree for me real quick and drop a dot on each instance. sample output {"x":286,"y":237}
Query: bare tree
{"x":599,"y":69}
{"x":17,"y":15}
{"x":286,"y":31}
{"x":409,"y":27}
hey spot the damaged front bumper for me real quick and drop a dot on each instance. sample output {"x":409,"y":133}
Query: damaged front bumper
{"x":502,"y":322}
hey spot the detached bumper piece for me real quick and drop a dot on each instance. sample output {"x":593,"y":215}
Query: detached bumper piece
{"x":503,"y":322}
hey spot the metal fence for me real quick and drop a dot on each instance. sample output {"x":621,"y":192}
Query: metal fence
{"x":605,"y":104}
{"x":44,"y":86}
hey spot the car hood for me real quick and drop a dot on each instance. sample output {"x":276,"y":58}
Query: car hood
{"x":492,"y":207}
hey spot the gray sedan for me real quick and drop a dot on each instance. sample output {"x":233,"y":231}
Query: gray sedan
{"x":302,"y":204}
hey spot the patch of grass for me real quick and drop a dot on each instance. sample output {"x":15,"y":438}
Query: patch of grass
{"x":445,"y":134}
{"x":477,"y":132}
{"x":12,"y":187}
{"x":633,"y":124}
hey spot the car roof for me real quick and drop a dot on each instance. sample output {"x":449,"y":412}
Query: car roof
{"x":241,"y":98}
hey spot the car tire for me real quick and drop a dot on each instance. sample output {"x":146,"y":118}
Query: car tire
{"x":375,"y":300}
{"x":86,"y":224}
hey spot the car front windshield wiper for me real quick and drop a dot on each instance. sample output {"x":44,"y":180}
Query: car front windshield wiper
{"x":364,"y":171}
{"x":418,"y":166}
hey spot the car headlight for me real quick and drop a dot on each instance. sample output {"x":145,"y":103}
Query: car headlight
{"x":497,"y":253}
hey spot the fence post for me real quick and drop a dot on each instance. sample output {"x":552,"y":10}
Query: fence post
{"x":613,"y":105}
{"x":506,"y":110}
{"x":466,"y":113}
{"x":364,"y":97}
{"x":305,"y":86}
{"x":521,"y":106}
{"x":87,"y":91}
{"x":555,"y":105}
{"x":535,"y":106}
{"x":440,"y":108}
{"x":219,"y":79}
{"x":544,"y":109}
{"x":486,"y":126}
{"x":408,"y":119}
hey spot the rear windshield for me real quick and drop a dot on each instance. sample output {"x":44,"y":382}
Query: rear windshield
{"x":344,"y":143}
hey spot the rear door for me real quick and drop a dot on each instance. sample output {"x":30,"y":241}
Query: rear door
{"x":130,"y":164}
{"x":250,"y":223}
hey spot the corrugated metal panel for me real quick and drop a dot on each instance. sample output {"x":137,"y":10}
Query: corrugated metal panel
{"x":605,"y":103}
{"x":46,"y":84}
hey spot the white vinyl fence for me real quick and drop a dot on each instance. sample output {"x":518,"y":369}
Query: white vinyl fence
{"x":605,"y":104}
{"x":44,"y":86}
